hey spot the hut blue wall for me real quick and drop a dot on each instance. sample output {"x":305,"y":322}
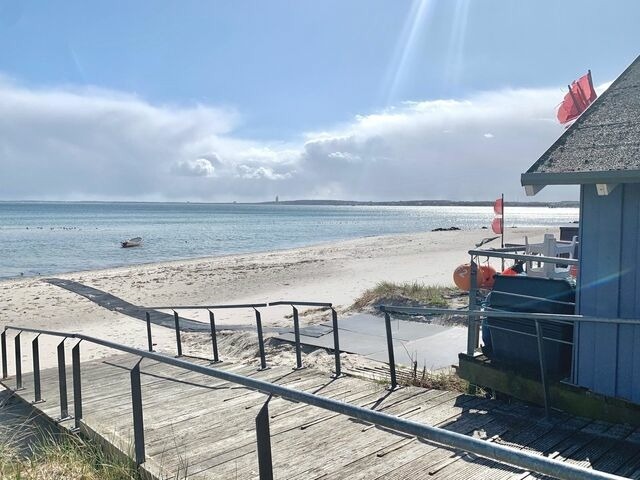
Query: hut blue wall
{"x":607,"y":357}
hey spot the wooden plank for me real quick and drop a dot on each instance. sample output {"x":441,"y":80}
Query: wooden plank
{"x":296,"y":450}
{"x":518,"y":436}
{"x":585,"y":445}
{"x":234,"y":447}
{"x":631,"y":464}
{"x":226,"y":420}
{"x":317,"y":419}
{"x":219,"y":416}
{"x":597,"y":344}
{"x":439,"y":457}
{"x":345,"y":452}
{"x":205,"y":427}
{"x":386,"y":456}
{"x":98,"y":391}
{"x":155,"y":394}
{"x":361,"y":443}
{"x":599,"y":445}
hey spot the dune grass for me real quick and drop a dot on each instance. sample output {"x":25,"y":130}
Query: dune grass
{"x":439,"y":380}
{"x":63,"y":456}
{"x":407,"y":293}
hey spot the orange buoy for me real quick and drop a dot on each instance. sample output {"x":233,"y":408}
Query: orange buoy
{"x":486,"y":276}
{"x":462,"y":276}
{"x":509,"y":271}
{"x":516,"y":269}
{"x":573,"y":271}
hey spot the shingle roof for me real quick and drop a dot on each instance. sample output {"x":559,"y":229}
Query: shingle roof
{"x":603,"y":145}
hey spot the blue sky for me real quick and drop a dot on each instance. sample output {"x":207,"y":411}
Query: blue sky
{"x":280,"y":74}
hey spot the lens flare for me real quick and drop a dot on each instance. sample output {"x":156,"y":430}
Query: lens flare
{"x":415,"y":23}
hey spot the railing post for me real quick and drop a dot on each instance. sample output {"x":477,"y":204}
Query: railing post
{"x":263,"y":360}
{"x":265,"y":465}
{"x":35,"y":353}
{"x":214,"y":337}
{"x":178,"y":339}
{"x":138,"y":421}
{"x":473,"y":322}
{"x":336,"y":343}
{"x":392,"y":359}
{"x":62,"y":383}
{"x":3,"y":345}
{"x":149,"y":339}
{"x":77,"y":388}
{"x":18,"y":349}
{"x":543,"y":370}
{"x":296,"y":333}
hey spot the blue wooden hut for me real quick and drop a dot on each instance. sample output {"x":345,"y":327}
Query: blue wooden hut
{"x":601,"y":153}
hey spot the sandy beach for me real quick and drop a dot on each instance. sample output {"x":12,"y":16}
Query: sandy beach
{"x":337,"y":272}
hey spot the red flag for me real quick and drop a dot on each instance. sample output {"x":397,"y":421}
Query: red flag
{"x":581,"y":95}
{"x":496,"y":225}
{"x":497,"y":206}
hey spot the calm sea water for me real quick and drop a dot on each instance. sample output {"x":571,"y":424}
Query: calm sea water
{"x":49,"y":238}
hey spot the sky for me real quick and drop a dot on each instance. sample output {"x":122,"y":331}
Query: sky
{"x":246,"y":100}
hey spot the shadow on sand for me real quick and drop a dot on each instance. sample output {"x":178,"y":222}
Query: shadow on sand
{"x":116,"y":304}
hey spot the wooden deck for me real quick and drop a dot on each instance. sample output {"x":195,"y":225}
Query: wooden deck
{"x":200,"y":427}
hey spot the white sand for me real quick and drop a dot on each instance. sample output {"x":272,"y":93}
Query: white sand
{"x":337,"y":272}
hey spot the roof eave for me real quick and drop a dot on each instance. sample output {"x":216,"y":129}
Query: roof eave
{"x":580,"y":178}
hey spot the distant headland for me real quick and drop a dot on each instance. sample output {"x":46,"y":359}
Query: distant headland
{"x":424,"y":203}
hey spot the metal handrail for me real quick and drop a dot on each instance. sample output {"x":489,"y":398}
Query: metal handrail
{"x":241,"y":305}
{"x":208,"y":307}
{"x":526,"y":258}
{"x":300,"y":304}
{"x":536,"y":318}
{"x":473,"y":332}
{"x":490,"y":312}
{"x":255,"y":307}
{"x":500,"y":453}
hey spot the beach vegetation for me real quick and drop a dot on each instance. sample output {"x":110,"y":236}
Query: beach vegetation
{"x":406,"y":293}
{"x":446,"y":379}
{"x":61,"y":456}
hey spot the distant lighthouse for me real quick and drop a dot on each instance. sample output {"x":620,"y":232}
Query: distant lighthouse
{"x":277,"y":200}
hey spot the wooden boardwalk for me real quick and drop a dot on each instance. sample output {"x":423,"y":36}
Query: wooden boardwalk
{"x":201,"y":427}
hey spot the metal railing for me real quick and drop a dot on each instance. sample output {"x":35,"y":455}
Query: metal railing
{"x":536,"y":318}
{"x":509,"y":253}
{"x":500,"y":453}
{"x":476,"y":312}
{"x":259,"y":330}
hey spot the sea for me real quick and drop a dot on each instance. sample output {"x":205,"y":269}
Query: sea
{"x":47,"y":238}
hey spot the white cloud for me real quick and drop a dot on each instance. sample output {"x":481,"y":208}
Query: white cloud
{"x":200,"y":167}
{"x":97,"y":144}
{"x":438,"y":149}
{"x":249,"y":172}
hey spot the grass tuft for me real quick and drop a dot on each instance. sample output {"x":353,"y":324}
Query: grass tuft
{"x":408,"y":293}
{"x":438,"y":380}
{"x":64,"y":456}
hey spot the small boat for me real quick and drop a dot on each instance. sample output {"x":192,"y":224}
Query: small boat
{"x":132,"y":242}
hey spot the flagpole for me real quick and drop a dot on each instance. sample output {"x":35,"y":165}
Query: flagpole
{"x":579,"y":103}
{"x":502,"y":221}
{"x":502,"y":227}
{"x":583,"y":97}
{"x":590,"y":80}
